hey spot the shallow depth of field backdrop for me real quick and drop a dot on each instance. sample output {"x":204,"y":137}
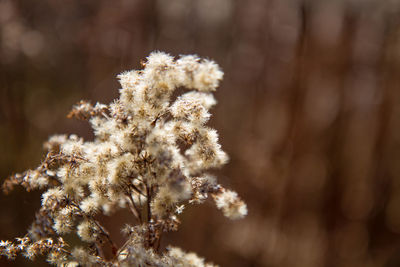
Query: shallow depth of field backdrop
{"x":309,"y":112}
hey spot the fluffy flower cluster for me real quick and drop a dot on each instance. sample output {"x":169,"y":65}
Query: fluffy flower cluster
{"x":150,"y":155}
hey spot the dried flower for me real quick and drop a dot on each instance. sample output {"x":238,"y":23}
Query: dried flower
{"x":149,"y":155}
{"x":230,"y":204}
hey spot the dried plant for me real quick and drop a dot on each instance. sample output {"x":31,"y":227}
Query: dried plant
{"x":149,"y":156}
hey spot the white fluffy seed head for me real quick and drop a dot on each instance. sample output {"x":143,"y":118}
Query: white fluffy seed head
{"x":230,"y":204}
{"x":90,"y":205}
{"x":87,"y":231}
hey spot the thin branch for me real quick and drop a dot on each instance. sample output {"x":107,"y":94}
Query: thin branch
{"x":148,"y":193}
{"x":101,"y":228}
{"x":158,"y":242}
{"x":135,"y":210}
{"x":106,"y":234}
{"x":137,"y":190}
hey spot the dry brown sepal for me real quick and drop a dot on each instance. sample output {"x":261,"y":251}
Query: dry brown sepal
{"x":83,"y":110}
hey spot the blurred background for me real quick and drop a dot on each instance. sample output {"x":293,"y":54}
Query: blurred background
{"x":309,"y":112}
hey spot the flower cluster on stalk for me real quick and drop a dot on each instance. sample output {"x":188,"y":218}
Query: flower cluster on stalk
{"x":151,"y":154}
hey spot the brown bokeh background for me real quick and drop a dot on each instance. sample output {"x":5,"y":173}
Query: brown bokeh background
{"x":309,"y":112}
